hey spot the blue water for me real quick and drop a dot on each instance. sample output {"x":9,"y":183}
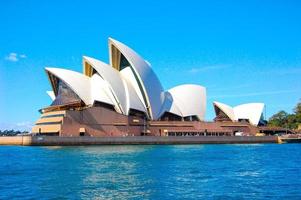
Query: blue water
{"x":268,"y":171}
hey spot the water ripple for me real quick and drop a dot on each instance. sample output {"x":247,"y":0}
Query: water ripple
{"x":265,"y":171}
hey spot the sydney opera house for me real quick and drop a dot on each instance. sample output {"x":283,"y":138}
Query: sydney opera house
{"x":126,"y":98}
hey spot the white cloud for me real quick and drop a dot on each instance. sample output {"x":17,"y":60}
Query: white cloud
{"x":207,"y":68}
{"x":14,"y":57}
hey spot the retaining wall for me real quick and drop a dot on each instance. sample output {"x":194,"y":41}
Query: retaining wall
{"x":68,"y":141}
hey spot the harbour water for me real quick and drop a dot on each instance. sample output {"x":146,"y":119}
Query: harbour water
{"x":254,"y":171}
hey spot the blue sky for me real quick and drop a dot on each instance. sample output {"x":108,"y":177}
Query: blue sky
{"x":241,"y":51}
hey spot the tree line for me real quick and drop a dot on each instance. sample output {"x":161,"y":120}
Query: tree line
{"x":286,"y":120}
{"x":12,"y":132}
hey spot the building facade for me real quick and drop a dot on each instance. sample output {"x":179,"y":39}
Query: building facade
{"x":125,"y":97}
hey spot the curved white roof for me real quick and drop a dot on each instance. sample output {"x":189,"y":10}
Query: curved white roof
{"x":130,"y":84}
{"x":100,"y":90}
{"x":150,"y":85}
{"x":250,"y":111}
{"x":79,"y":83}
{"x":133,"y":101}
{"x":170,"y":106}
{"x":128,"y":75}
{"x":228,"y":110}
{"x":115,"y":83}
{"x":190,"y":100}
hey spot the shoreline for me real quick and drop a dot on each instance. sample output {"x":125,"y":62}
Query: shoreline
{"x":134,"y":140}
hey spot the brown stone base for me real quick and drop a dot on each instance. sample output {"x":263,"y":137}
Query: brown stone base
{"x":103,"y":122}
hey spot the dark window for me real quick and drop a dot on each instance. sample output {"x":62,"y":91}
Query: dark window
{"x":220,"y":115}
{"x":262,"y":121}
{"x":244,"y":120}
{"x":167,"y":116}
{"x":65,"y":95}
{"x":191,"y":118}
{"x":123,"y":62}
{"x":104,"y":105}
{"x":49,"y":134}
{"x":94,"y":72}
{"x":137,"y":113}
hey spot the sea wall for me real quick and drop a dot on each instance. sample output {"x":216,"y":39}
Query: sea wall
{"x":68,"y":141}
{"x":15,"y":140}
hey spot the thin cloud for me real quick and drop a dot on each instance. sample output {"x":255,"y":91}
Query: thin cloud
{"x":240,"y":86}
{"x":14,"y":57}
{"x":282,"y":71}
{"x":255,"y":94}
{"x":207,"y":68}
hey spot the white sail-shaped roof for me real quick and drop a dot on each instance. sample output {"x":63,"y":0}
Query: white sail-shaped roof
{"x":249,"y":111}
{"x":115,"y":83}
{"x":79,"y":83}
{"x":130,"y":83}
{"x":100,"y":90}
{"x":128,"y":75}
{"x":118,"y":88}
{"x":228,"y":110}
{"x":189,"y":100}
{"x":170,"y":106}
{"x":149,"y":84}
{"x":133,"y":101}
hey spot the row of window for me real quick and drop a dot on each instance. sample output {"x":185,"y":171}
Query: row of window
{"x":48,"y":123}
{"x":197,"y":134}
{"x":55,"y":115}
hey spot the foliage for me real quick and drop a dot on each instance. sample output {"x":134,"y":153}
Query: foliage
{"x":12,"y":132}
{"x":285,"y":120}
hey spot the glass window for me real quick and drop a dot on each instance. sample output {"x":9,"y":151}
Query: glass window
{"x":65,"y":95}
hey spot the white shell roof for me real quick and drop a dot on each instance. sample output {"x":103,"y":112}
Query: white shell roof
{"x":152,"y":87}
{"x":170,"y":106}
{"x":133,"y":101}
{"x":250,"y":111}
{"x":228,"y":110}
{"x":128,"y":75}
{"x":78,"y":82}
{"x":189,"y":100}
{"x":135,"y":87}
{"x":113,"y":78}
{"x":100,"y":90}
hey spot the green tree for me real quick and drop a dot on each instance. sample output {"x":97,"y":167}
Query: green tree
{"x":285,"y":120}
{"x":297,"y":112}
{"x":291,"y":122}
{"x":279,"y":119}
